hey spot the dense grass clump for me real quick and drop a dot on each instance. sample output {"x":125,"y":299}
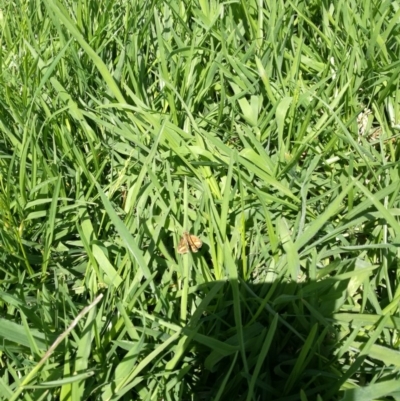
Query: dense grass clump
{"x":269,"y":130}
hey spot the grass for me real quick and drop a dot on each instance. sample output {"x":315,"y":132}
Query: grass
{"x":269,"y":130}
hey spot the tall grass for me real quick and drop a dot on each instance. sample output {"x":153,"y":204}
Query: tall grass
{"x":268,"y":129}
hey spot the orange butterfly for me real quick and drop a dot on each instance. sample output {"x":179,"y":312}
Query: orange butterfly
{"x":189,"y":241}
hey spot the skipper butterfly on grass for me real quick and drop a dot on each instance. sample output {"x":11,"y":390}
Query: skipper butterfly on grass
{"x":189,"y":241}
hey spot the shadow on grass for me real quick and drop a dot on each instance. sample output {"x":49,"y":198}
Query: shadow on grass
{"x":243,"y":341}
{"x":282,"y":338}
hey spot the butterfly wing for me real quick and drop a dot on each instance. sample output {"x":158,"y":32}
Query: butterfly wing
{"x":183,"y":245}
{"x":194,"y":242}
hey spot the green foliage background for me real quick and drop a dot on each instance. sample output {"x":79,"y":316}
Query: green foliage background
{"x":269,"y":129}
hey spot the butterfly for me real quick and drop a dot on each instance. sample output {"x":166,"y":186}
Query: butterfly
{"x":189,"y":241}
